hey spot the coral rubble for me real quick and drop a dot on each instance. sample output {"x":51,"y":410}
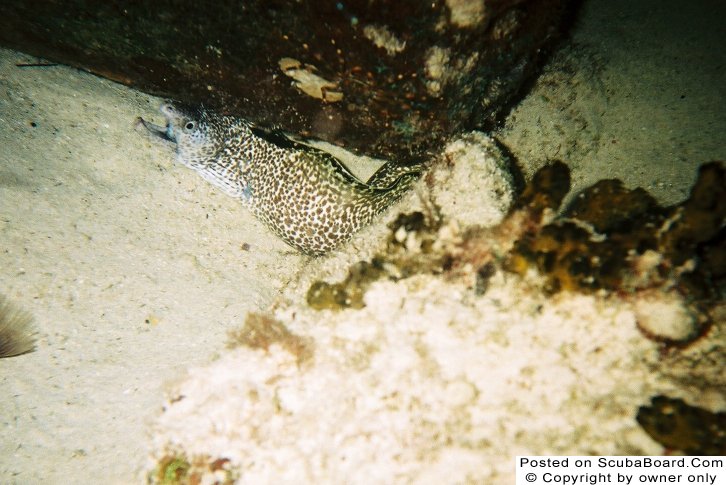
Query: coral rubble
{"x":457,"y":346}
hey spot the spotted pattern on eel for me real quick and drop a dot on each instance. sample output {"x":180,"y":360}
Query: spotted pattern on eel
{"x":305,"y":195}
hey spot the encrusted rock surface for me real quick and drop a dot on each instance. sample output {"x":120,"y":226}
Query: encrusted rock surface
{"x":386,"y":78}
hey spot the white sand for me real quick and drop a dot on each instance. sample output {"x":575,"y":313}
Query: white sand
{"x":134,"y":268}
{"x":639,"y":94}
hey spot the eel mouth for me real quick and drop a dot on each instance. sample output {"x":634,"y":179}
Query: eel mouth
{"x":166,"y":133}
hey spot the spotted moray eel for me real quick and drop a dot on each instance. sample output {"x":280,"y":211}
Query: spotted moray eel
{"x":304,"y":195}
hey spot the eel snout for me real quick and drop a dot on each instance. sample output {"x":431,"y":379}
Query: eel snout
{"x":161,"y":131}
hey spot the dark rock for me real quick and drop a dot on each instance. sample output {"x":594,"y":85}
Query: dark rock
{"x":546,"y":190}
{"x":388,"y":78}
{"x":625,"y":224}
{"x":679,"y":426}
{"x":700,"y":221}
{"x":609,"y":206}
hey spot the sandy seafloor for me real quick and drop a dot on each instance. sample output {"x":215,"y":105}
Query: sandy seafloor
{"x":135,"y":268}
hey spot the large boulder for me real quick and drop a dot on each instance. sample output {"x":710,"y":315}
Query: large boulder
{"x":387,"y":78}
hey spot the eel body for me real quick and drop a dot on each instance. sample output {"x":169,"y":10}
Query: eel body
{"x":305,"y":195}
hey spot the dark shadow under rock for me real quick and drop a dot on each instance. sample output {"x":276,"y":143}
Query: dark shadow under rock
{"x":385,"y":78}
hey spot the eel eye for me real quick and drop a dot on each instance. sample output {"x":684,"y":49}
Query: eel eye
{"x":189,"y":126}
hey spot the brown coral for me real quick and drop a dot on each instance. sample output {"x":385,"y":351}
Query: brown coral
{"x":261,"y":331}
